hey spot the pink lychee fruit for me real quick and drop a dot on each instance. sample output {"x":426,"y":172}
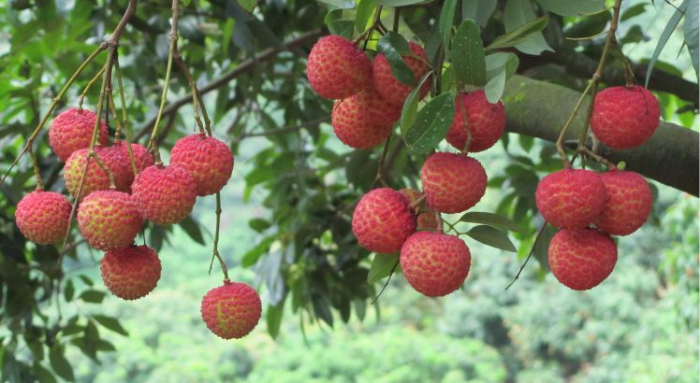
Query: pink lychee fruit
{"x":164,"y":194}
{"x":337,"y":69}
{"x":628,"y":205}
{"x":72,"y":130}
{"x":581,"y":258}
{"x":625,"y":117}
{"x":391,"y":89}
{"x":378,"y":111}
{"x":95,"y":178}
{"x":435,"y":264}
{"x":232,"y":310}
{"x":426,"y":218}
{"x":571,"y":198}
{"x":132,"y":272}
{"x":43,"y":217}
{"x":109,"y":220}
{"x":452,"y":183}
{"x":484,"y":120}
{"x":382,"y":220}
{"x":353,"y":127}
{"x":208,"y":160}
{"x":119,"y":161}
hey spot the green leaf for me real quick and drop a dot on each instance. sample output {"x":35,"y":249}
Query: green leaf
{"x":447,"y":20}
{"x":321,"y":309}
{"x":344,"y":28}
{"x":402,"y":3}
{"x":410,"y":106}
{"x":393,"y":46}
{"x":60,"y":365}
{"x":468,"y":55}
{"x":259,"y":224}
{"x":572,"y":8}
{"x":491,"y":237}
{"x":517,"y":13}
{"x":494,"y":88}
{"x":382,"y":264}
{"x":633,"y":11}
{"x":274,"y":318}
{"x":478,"y":10}
{"x":69,"y":291}
{"x":690,"y":30}
{"x":191,"y":227}
{"x":342,"y":4}
{"x":431,"y":124}
{"x":364,"y":13}
{"x":42,"y":374}
{"x":491,"y":219}
{"x":519,"y":34}
{"x":497,"y":62}
{"x":110,"y":323}
{"x":252,"y":256}
{"x":665,"y":35}
{"x":92,"y":296}
{"x":248,"y":5}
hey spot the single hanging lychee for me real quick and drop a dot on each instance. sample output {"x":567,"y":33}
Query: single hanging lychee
{"x":625,"y":117}
{"x":72,"y":130}
{"x":336,"y":68}
{"x":131,"y":272}
{"x":382,"y":220}
{"x":43,"y":217}
{"x":164,"y":194}
{"x":571,"y":198}
{"x":391,"y":89}
{"x":353,"y":126}
{"x":581,"y":259}
{"x":485,"y":121}
{"x":95,"y":178}
{"x":208,"y":160}
{"x":452,"y":183}
{"x":628,"y":205}
{"x":109,"y":220}
{"x":232,"y":310}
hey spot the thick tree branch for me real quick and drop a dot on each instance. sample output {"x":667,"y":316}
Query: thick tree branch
{"x":537,"y":108}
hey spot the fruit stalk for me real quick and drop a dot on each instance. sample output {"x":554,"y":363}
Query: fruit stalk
{"x":37,"y":173}
{"x":88,"y":86}
{"x":125,"y":119}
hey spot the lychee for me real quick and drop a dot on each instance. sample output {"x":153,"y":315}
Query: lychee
{"x":119,"y":163}
{"x":426,"y":218}
{"x":336,"y":68}
{"x":208,"y":160}
{"x":625,"y":117}
{"x":452,"y":183}
{"x":571,"y":198}
{"x":435,"y":264}
{"x":72,"y":130}
{"x":109,"y":220}
{"x":232,"y":310}
{"x":382,"y":220}
{"x":95,"y":178}
{"x":353,"y":127}
{"x":132,"y":272}
{"x":391,"y":89}
{"x":43,"y":216}
{"x":378,"y":111}
{"x":628,"y":205}
{"x":164,"y":194}
{"x":580,"y":259}
{"x":485,"y":122}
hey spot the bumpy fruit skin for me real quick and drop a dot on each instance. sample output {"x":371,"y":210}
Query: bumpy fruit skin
{"x":164,"y":194}
{"x":232,"y":310}
{"x":452,"y":182}
{"x":486,"y":121}
{"x":435,"y":264}
{"x":378,"y":111}
{"x":119,"y":163}
{"x":109,"y":220}
{"x":571,"y":198}
{"x":427,"y":219}
{"x":628,"y":205}
{"x":353,"y":126}
{"x":625,"y":117}
{"x":391,"y":89}
{"x":72,"y":130}
{"x":581,"y":259}
{"x":337,"y":69}
{"x":132,"y":272}
{"x":208,"y":160}
{"x":43,"y":216}
{"x":382,"y":220}
{"x":95,"y":178}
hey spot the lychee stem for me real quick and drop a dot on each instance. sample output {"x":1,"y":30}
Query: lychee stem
{"x":88,"y":86}
{"x":380,"y":166}
{"x":37,"y":172}
{"x":529,"y":255}
{"x":125,"y":119}
{"x":376,"y":25}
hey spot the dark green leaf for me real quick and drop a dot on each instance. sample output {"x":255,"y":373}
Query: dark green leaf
{"x":633,"y":11}
{"x":248,"y":5}
{"x":381,"y":266}
{"x":480,"y":10}
{"x":259,"y":224}
{"x":322,"y":309}
{"x":401,"y":3}
{"x":393,"y":46}
{"x":491,"y":219}
{"x":111,"y":324}
{"x":410,"y":106}
{"x":447,"y":20}
{"x":60,"y":365}
{"x":364,"y":13}
{"x":517,"y":13}
{"x":274,"y":319}
{"x":573,"y":8}
{"x":92,"y":296}
{"x":665,"y":35}
{"x":468,"y":55}
{"x":431,"y":124}
{"x":191,"y":227}
{"x":42,"y":374}
{"x":252,"y":256}
{"x":520,"y":34}
{"x":491,"y":237}
{"x":68,"y":291}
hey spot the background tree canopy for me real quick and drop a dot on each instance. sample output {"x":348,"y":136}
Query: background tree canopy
{"x":287,"y":209}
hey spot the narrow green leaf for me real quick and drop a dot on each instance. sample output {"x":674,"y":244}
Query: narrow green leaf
{"x":447,"y":20}
{"x":92,"y":296}
{"x":519,"y":34}
{"x":665,"y":35}
{"x":402,"y":3}
{"x":192,"y":228}
{"x":410,"y":106}
{"x":252,"y":256}
{"x":274,"y":318}
{"x":110,"y":323}
{"x":431,"y":124}
{"x":478,"y":10}
{"x":468,"y":55}
{"x":690,"y":30}
{"x":491,"y":219}
{"x":364,"y":13}
{"x":394,"y":46}
{"x":259,"y":224}
{"x":572,"y":8}
{"x":69,"y":291}
{"x":382,"y":264}
{"x":517,"y":13}
{"x":60,"y":365}
{"x":633,"y":11}
{"x":491,"y":237}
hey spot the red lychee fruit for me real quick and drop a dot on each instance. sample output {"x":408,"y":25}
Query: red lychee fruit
{"x":435,"y":264}
{"x":337,"y":69}
{"x":109,"y":220}
{"x":353,"y":127}
{"x":452,"y":183}
{"x":628,"y":205}
{"x":232,"y":310}
{"x":72,"y":130}
{"x":382,"y":220}
{"x":485,"y":121}
{"x":132,"y":272}
{"x":208,"y":160}
{"x":43,"y":217}
{"x":378,"y":111}
{"x":580,"y":259}
{"x":391,"y":89}
{"x":95,"y":178}
{"x":426,"y":218}
{"x":164,"y":194}
{"x":625,"y":117}
{"x":571,"y":198}
{"x":117,"y":156}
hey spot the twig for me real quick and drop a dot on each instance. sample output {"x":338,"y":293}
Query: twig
{"x":380,"y":176}
{"x":391,"y":273}
{"x":529,"y":255}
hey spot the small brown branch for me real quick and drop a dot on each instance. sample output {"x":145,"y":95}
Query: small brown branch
{"x":529,"y":255}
